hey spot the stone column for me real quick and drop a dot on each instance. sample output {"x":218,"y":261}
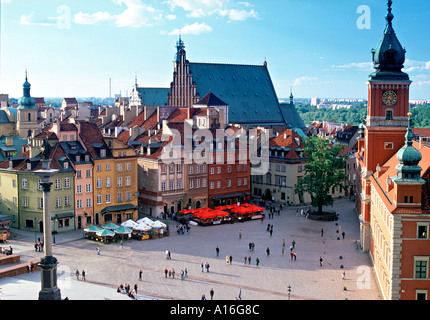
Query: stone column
{"x":48,"y":264}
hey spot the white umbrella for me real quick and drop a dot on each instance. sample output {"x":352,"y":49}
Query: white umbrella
{"x":129,"y":224}
{"x":142,"y":227}
{"x":146,"y":221}
{"x":158,"y":225}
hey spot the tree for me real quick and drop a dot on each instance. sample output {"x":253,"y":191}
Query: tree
{"x":325,"y":170}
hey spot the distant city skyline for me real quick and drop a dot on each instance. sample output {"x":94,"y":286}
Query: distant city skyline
{"x":319,"y":48}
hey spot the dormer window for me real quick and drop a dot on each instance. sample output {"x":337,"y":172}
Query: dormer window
{"x":66,"y":165}
{"x":103,"y":153}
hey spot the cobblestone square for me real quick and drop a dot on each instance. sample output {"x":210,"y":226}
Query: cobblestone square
{"x":269,"y":281}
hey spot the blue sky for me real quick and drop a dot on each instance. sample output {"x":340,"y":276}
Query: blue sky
{"x":72,"y":48}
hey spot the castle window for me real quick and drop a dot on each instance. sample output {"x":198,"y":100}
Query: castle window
{"x":389,"y":145}
{"x":29,"y":116}
{"x":389,"y":114}
{"x":422,"y":230}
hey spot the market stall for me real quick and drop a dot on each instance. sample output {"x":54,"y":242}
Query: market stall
{"x":211,"y":217}
{"x":243,"y":213}
{"x":159,"y":230}
{"x":90,"y":232}
{"x":123,"y":232}
{"x":141,"y":232}
{"x":105,"y":235}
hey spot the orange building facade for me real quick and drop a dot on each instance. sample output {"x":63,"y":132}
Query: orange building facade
{"x":393,"y":183}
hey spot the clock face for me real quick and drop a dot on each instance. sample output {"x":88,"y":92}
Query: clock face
{"x":389,"y":98}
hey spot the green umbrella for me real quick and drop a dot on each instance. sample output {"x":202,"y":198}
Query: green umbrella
{"x":123,"y":230}
{"x":92,"y":229}
{"x":111,"y":226}
{"x":105,"y":233}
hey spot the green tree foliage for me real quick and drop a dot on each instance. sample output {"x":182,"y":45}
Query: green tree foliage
{"x":325,"y":170}
{"x":355,"y":115}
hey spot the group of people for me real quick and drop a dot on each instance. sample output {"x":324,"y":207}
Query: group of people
{"x":77,"y":274}
{"x":181,"y":228}
{"x":127,"y":290}
{"x":6,"y":251}
{"x":171,"y":273}
{"x":38,"y":246}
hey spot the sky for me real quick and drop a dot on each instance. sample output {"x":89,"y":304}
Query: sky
{"x":318,"y":48}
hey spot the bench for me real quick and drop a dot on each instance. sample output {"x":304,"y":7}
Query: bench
{"x":18,"y":269}
{"x":8,"y":259}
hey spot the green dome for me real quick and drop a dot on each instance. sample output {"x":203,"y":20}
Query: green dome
{"x":26,"y":101}
{"x":409,"y":158}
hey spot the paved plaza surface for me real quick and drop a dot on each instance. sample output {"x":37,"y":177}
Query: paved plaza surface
{"x":268,"y":281}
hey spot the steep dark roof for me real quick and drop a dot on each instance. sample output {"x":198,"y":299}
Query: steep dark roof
{"x":247,"y":89}
{"x":210,"y":100}
{"x":153,"y":96}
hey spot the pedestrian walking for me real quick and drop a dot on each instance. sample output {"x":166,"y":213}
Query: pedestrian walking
{"x":217,"y":251}
{"x":182,"y":274}
{"x":244,"y":259}
{"x":140,"y":274}
{"x":322,"y":232}
{"x":283,"y":242}
{"x":291,"y":255}
{"x":257,"y":261}
{"x":77,"y":274}
{"x":207,"y":266}
{"x":135,"y":288}
{"x":343,"y":275}
{"x":98,"y":250}
{"x":321,"y":261}
{"x":83,"y":275}
{"x":283,"y":249}
{"x":36,"y":246}
{"x":227,"y":259}
{"x":211,"y":293}
{"x":240,"y":234}
{"x":249,"y":260}
{"x":173,"y":273}
{"x":268,"y":251}
{"x":231,"y":259}
{"x":186,"y":273}
{"x":165,"y":272}
{"x":271,"y":231}
{"x":293,"y":244}
{"x":343,"y":235}
{"x":295,"y":255}
{"x":202,"y":266}
{"x":122,"y":244}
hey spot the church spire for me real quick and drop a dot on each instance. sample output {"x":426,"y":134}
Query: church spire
{"x":389,"y":56}
{"x":26,"y":102}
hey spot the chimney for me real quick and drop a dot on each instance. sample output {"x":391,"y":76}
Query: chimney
{"x":390,"y":184}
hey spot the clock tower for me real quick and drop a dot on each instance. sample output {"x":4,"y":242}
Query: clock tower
{"x":388,"y":99}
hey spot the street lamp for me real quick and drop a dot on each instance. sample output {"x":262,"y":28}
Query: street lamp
{"x":48,"y":263}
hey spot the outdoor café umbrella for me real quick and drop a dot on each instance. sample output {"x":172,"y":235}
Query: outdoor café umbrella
{"x":146,"y":221}
{"x":92,"y":229}
{"x":158,"y":225}
{"x":110,"y":226}
{"x":142,"y":227}
{"x":123,"y":230}
{"x":105,"y":233}
{"x":129,"y":224}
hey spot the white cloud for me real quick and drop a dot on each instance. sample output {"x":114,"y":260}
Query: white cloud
{"x":415,"y":65}
{"x":305,"y":80}
{"x":238,"y":15}
{"x":355,"y":65}
{"x":195,"y":28}
{"x":136,"y":14}
{"x":95,"y":18}
{"x":222,"y":8}
{"x":31,"y":19}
